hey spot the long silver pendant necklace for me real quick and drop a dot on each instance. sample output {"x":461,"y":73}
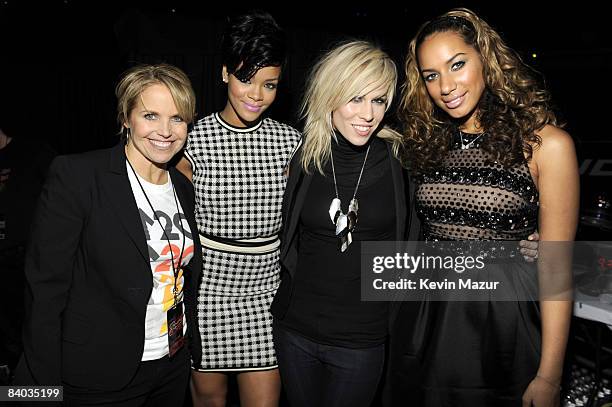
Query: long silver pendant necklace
{"x":345,"y":223}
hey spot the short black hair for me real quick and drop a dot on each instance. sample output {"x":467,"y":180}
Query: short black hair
{"x":252,"y":41}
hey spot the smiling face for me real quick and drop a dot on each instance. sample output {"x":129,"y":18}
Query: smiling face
{"x":157,"y":132}
{"x":358,"y":119}
{"x":246,"y":101}
{"x":453,"y":75}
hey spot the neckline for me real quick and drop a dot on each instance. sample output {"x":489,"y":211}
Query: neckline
{"x":237,"y":129}
{"x":157,"y":188}
{"x":471,"y":134}
{"x":343,"y":145}
{"x":467,"y":141}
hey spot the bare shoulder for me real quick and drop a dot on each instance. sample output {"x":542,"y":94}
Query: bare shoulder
{"x":555,"y":139}
{"x":555,"y":152}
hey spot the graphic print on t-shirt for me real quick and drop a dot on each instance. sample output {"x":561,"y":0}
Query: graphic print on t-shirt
{"x":159,"y":255}
{"x":167,"y":232}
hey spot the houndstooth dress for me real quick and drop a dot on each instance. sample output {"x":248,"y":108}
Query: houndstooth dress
{"x":238,"y":176}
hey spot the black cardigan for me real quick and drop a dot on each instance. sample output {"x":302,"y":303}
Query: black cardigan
{"x":407,"y":226}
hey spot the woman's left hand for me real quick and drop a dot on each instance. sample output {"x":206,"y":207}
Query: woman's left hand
{"x":541,"y":393}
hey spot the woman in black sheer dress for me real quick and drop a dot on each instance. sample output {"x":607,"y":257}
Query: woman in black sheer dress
{"x":491,"y":164}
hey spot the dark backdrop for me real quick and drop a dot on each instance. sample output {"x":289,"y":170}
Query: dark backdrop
{"x":60,"y":60}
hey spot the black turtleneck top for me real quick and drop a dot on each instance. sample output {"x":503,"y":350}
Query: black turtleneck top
{"x":326,"y":304}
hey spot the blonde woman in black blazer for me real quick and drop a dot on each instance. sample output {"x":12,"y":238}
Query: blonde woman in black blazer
{"x":97,"y":284}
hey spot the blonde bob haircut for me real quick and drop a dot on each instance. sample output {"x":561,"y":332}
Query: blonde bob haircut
{"x":348,"y":70}
{"x":135,"y":80}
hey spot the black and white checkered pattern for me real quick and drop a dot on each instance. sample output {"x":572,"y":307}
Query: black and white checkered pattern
{"x":239,"y":182}
{"x":233,"y":310}
{"x":238,"y":176}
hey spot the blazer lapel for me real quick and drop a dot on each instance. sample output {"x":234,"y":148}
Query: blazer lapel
{"x":189,"y":212}
{"x":119,"y":192}
{"x":188,"y":207}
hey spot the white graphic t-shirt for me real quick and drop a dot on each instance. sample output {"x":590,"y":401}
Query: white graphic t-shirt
{"x":161,"y":255}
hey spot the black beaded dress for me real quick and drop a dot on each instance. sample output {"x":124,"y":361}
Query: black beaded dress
{"x":480,"y":353}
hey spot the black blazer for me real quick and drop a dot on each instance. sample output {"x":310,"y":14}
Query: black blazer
{"x":407,"y":224}
{"x":89,"y":277}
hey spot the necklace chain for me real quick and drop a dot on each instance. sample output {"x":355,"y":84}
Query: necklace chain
{"x":467,"y":146}
{"x":345,"y":224}
{"x":180,"y":259}
{"x":360,"y":173}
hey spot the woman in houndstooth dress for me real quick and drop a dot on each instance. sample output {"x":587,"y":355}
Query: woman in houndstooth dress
{"x":237,"y":161}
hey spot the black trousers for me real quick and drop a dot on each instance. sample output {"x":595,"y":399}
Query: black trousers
{"x":317,"y":375}
{"x":161,"y":382}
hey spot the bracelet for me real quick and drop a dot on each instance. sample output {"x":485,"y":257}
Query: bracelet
{"x":556,"y":386}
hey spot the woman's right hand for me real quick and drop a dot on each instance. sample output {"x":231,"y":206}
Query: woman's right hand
{"x":541,"y":393}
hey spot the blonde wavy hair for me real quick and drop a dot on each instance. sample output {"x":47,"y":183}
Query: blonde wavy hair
{"x":348,"y":70}
{"x":512,"y":108}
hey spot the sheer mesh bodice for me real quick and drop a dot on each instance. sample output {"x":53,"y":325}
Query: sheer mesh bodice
{"x":468,"y":198}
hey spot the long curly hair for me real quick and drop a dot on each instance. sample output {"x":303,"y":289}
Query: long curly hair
{"x":512,"y":108}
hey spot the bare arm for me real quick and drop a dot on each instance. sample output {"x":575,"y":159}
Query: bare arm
{"x":184,"y":166}
{"x":558,"y":185}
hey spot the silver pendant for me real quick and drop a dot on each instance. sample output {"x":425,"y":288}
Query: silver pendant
{"x":334,"y":208}
{"x":345,"y":224}
{"x":341,"y":223}
{"x":345,"y":241}
{"x":352,"y":214}
{"x":353,"y":205}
